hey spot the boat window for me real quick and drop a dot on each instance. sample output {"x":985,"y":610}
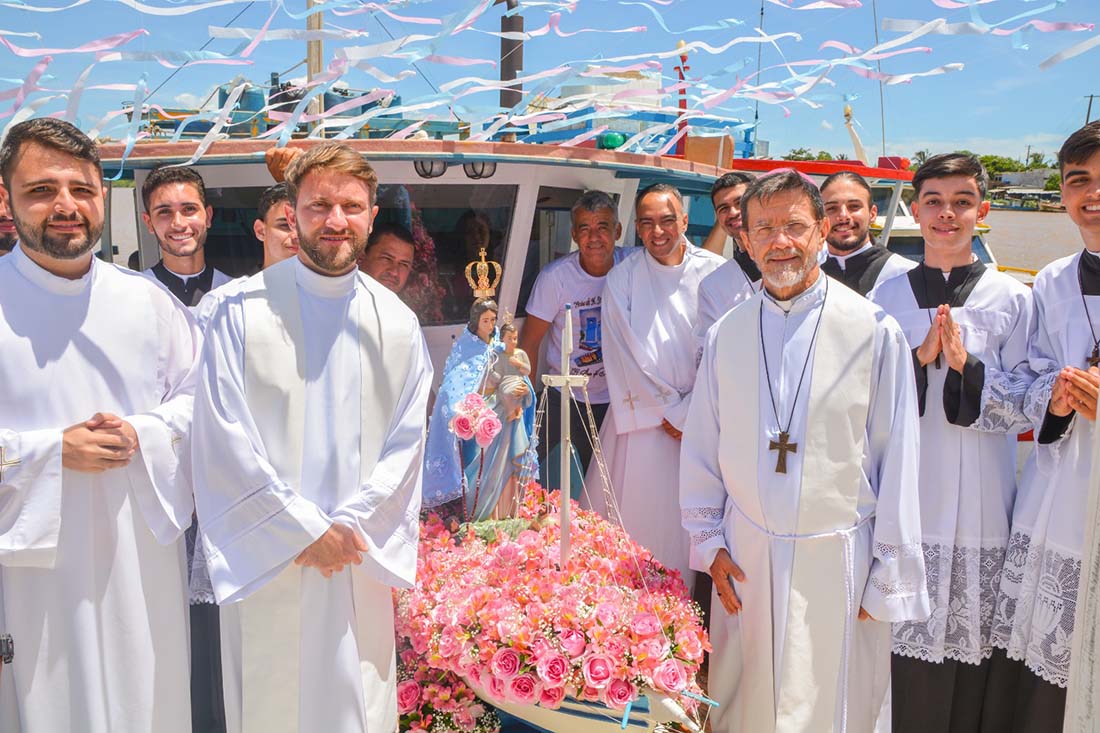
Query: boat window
{"x":231,"y":244}
{"x":700,"y":211}
{"x":450,"y":223}
{"x":551,"y":236}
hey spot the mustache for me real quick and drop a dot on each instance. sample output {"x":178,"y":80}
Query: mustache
{"x":61,"y":218}
{"x":781,"y":254}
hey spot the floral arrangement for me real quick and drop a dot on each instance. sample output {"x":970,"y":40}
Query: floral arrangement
{"x":475,"y":420}
{"x":496,"y":608}
{"x":433,"y":701}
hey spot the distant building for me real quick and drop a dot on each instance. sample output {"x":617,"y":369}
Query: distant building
{"x":1036,"y":178}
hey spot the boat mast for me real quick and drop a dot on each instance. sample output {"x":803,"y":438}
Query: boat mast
{"x":315,"y":54}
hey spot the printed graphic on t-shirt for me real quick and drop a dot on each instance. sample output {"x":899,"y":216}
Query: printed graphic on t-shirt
{"x":591,"y":334}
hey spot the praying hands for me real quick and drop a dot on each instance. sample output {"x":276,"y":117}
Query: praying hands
{"x":103,"y":442}
{"x":944,"y":337}
{"x":1075,"y":389}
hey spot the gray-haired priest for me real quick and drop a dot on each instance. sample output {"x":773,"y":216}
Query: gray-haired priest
{"x":307,"y":453}
{"x":798,"y":484}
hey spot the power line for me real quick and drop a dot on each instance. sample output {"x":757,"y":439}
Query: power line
{"x":201,"y":48}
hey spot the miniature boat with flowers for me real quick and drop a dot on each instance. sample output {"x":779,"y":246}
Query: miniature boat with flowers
{"x":610,"y":636}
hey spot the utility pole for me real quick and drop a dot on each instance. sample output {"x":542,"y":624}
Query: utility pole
{"x":1088,"y":114}
{"x":1027,"y":157}
{"x":315,"y":54}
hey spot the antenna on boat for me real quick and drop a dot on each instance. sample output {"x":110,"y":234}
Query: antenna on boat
{"x":565,"y":382}
{"x":881,"y":86}
{"x":756,"y":115}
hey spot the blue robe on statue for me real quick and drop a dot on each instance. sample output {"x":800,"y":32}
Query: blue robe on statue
{"x":463,"y":373}
{"x":498,"y":475}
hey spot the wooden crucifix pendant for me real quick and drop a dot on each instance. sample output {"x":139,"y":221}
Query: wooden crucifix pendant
{"x":784,"y":446}
{"x":1094,"y":359}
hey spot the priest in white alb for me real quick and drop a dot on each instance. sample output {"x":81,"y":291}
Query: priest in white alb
{"x":650,"y":311}
{"x":307,"y":454}
{"x":97,"y":367}
{"x":798,"y":484}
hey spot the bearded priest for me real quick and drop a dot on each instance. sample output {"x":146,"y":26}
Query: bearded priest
{"x":307,"y":456}
{"x":98,"y":372}
{"x":798,"y":483}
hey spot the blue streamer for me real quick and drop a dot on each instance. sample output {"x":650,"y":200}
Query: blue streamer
{"x":626,"y":714}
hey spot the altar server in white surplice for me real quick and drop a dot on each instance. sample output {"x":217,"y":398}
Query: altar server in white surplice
{"x":307,"y":453}
{"x":798,"y":484}
{"x":650,"y":309}
{"x":968,"y":326}
{"x":1050,"y":566}
{"x":98,"y":368}
{"x":735,"y":281}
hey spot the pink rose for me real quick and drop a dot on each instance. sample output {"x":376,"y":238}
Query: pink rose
{"x":524,"y":689}
{"x":464,"y":719}
{"x":552,"y":697}
{"x":645,"y":624}
{"x":462,"y":426}
{"x":608,"y":614}
{"x":408,"y":696}
{"x":553,"y":669}
{"x":473,"y":402}
{"x":486,"y":430}
{"x":573,"y":642}
{"x":653,"y":649}
{"x":597,"y":670}
{"x":669,"y":676}
{"x":505,"y":664}
{"x":619,"y":693}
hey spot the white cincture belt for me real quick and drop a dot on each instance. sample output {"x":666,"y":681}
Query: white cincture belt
{"x":848,"y":535}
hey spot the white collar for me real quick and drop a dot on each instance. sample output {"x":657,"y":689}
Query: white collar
{"x":185,"y":278}
{"x":1094,"y":254}
{"x":324,"y":286}
{"x":47,"y":280}
{"x":842,"y":259}
{"x":804,"y":301}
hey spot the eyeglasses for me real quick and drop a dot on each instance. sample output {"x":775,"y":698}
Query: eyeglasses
{"x":794,"y":230}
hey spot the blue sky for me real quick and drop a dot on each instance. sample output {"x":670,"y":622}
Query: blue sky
{"x":999,"y":103}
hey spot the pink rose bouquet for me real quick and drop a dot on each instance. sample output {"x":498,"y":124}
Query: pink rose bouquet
{"x":497,"y":609}
{"x":475,"y":420}
{"x":430,"y":699}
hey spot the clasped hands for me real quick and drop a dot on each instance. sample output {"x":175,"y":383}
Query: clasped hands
{"x":337,"y":548}
{"x":1075,"y":390}
{"x":103,"y":442}
{"x":944,"y":337}
{"x":724,"y":568}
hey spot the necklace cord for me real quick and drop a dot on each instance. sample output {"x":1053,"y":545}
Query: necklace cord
{"x":806,"y":363}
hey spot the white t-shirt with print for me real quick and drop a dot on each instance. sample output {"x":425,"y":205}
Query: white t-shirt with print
{"x":562,"y":282}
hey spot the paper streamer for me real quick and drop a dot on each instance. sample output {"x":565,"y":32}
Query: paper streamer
{"x":103,"y":44}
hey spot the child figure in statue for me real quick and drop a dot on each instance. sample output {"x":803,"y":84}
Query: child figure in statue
{"x":493,"y":478}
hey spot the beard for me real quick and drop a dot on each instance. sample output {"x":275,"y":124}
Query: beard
{"x":787,"y":275}
{"x":848,"y":245}
{"x":7,"y":242}
{"x":59,"y":247}
{"x":327,"y":259}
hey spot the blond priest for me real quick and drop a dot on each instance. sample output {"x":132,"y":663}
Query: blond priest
{"x":798,"y":484}
{"x":307,"y":454}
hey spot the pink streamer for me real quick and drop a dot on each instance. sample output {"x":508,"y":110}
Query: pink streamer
{"x":586,"y":135}
{"x":260,"y":36}
{"x":103,"y":44}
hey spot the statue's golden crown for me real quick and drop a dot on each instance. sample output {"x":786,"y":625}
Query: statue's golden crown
{"x":477,"y":274}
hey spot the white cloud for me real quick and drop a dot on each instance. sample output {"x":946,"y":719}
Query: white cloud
{"x":825,"y":125}
{"x":187,"y":100}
